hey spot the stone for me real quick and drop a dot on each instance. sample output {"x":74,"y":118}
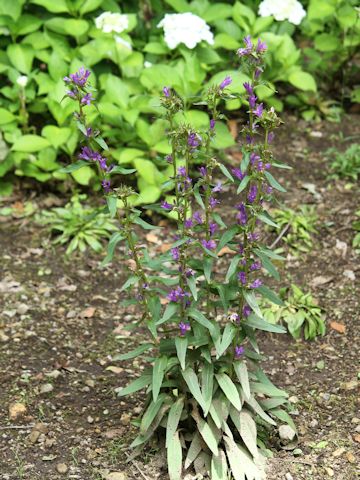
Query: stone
{"x":286,"y":433}
{"x":46,"y":388}
{"x":17,"y":410}
{"x":288,"y":476}
{"x":61,"y":468}
{"x":116,"y":476}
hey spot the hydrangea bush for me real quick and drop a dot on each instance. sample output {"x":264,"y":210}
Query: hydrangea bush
{"x":205,"y":391}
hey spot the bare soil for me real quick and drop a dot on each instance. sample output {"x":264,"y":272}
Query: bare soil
{"x":61,"y":325}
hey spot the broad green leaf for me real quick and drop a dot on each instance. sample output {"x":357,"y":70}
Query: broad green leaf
{"x":151,"y":413}
{"x":303,"y":81}
{"x":219,"y":466}
{"x":192,"y":382}
{"x":251,"y":300}
{"x":6,"y":116}
{"x":229,"y":389}
{"x":74,"y":166}
{"x":21,"y":56}
{"x":74,"y":27}
{"x":227,"y":337}
{"x":173,"y":419}
{"x":30,"y":143}
{"x":194,"y":450}
{"x":158,"y":375}
{"x":207,"y":383}
{"x":111,"y":201}
{"x":55,"y":135}
{"x":242,"y":374}
{"x":174,"y":457}
{"x":59,"y":6}
{"x":181,"y":344}
{"x":135,"y":386}
{"x":134,"y":353}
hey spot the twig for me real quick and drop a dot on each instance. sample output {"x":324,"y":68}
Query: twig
{"x":281,"y":234}
{"x":25,"y":427}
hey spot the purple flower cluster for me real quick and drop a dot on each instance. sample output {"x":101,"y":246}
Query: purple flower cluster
{"x":77,"y":81}
{"x":253,"y":190}
{"x":166,"y":91}
{"x":166,"y":206}
{"x":184,"y":327}
{"x":241,"y":216}
{"x":184,"y":181}
{"x":238,"y":173}
{"x":91,"y":155}
{"x":209,"y":244}
{"x":79,"y":78}
{"x":225,"y":83}
{"x":106,"y":184}
{"x":251,"y":49}
{"x":239,"y":351}
{"x":193,"y":140}
{"x":246,"y":311}
{"x":177,"y":295}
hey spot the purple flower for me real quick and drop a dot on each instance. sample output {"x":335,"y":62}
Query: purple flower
{"x":79,"y":78}
{"x":169,"y":158}
{"x":71,"y":94}
{"x":203,"y":171}
{"x":234,"y":317}
{"x":188,"y":223}
{"x":193,"y":140}
{"x":259,"y":110}
{"x":271,"y":137}
{"x":248,"y":47}
{"x":242,"y":277}
{"x":261,"y":46}
{"x":256,"y":283}
{"x":217,"y":188}
{"x":252,"y":101}
{"x":254,"y":158}
{"x":212,"y":124}
{"x":87,"y":153}
{"x":239,"y":351}
{"x":238,"y":173}
{"x":241,"y":216}
{"x":248,"y":88}
{"x":255,"y":266}
{"x":184,"y":327}
{"x":252,"y":193}
{"x":213,"y":202}
{"x":177,"y":294}
{"x":258,"y":72}
{"x":86,"y":100}
{"x":209,"y":244}
{"x":166,"y":91}
{"x":182,"y":171}
{"x":89,"y":132}
{"x":198,"y":218}
{"x":106,"y":186}
{"x":249,"y":139}
{"x":175,"y":253}
{"x":246,"y":311}
{"x":253,"y":237}
{"x":213,"y":228}
{"x":189,"y":273}
{"x":227,"y":80}
{"x":248,"y":42}
{"x":269,"y":189}
{"x":166,"y":206}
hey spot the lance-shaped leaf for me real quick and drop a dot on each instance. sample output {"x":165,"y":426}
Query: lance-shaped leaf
{"x":219,"y":466}
{"x":142,"y":439}
{"x":192,"y":382}
{"x":257,"y":409}
{"x":135,"y":385}
{"x":242,"y":374}
{"x":200,"y":318}
{"x":246,"y":426}
{"x":173,"y":419}
{"x":158,"y":375}
{"x":226,"y":172}
{"x":269,"y":390}
{"x":268,"y":265}
{"x":266,"y":218}
{"x":256,"y":322}
{"x":134,"y":353}
{"x":174,"y":457}
{"x":122,"y":171}
{"x":207,"y":383}
{"x":116,"y":237}
{"x":181,"y":344}
{"x":194,"y":450}
{"x":226,"y":237}
{"x":191,"y":281}
{"x":226,"y":339}
{"x":235,"y":463}
{"x":130,"y":281}
{"x":251,"y":300}
{"x":151,"y":413}
{"x":270,"y":295}
{"x":243,"y":184}
{"x":206,"y":433}
{"x":232,"y":267}
{"x":229,"y":389}
{"x":169,"y":312}
{"x":111,"y":201}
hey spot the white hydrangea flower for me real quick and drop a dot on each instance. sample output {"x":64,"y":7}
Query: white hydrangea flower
{"x":112,"y":22}
{"x":291,"y":10}
{"x":185,"y":28}
{"x":123,"y":42}
{"x":22,"y":81}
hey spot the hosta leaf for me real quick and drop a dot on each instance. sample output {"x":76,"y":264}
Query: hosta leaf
{"x":242,"y":374}
{"x":219,"y":466}
{"x":194,"y":450}
{"x":174,"y":457}
{"x":192,"y":382}
{"x":229,"y":389}
{"x":135,"y":385}
{"x":158,"y":375}
{"x":181,"y":344}
{"x":207,"y":383}
{"x":173,"y":419}
{"x":134,"y":353}
{"x":151,"y":413}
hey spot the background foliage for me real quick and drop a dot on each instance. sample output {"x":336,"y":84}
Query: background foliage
{"x":311,"y":65}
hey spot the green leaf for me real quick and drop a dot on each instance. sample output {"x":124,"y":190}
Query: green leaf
{"x":229,"y":389}
{"x":194,"y":450}
{"x":242,"y":374}
{"x":200,"y":318}
{"x":207,"y":434}
{"x":226,"y":172}
{"x":181,"y":344}
{"x":135,"y":386}
{"x":6,"y":116}
{"x":151,"y":413}
{"x":129,"y":282}
{"x":207,"y":383}
{"x":274,"y":183}
{"x":219,"y":466}
{"x":243,"y":184}
{"x":267,"y":264}
{"x":191,"y":281}
{"x":173,"y":419}
{"x":74,"y":27}
{"x":74,"y":166}
{"x":236,"y":465}
{"x":270,"y":295}
{"x":57,"y":136}
{"x":266,"y":218}
{"x":227,"y":237}
{"x":134,"y":353}
{"x":303,"y":81}
{"x":259,"y":323}
{"x":21,"y":56}
{"x":257,"y":409}
{"x":227,"y":337}
{"x":192,"y":382}
{"x":122,"y":170}
{"x":169,"y":312}
{"x":60,"y":6}
{"x":248,"y":431}
{"x":30,"y":143}
{"x":174,"y":457}
{"x":116,"y":237}
{"x":251,"y":300}
{"x":158,"y":375}
{"x":326,"y":42}
{"x":111,"y":201}
{"x":232,"y":267}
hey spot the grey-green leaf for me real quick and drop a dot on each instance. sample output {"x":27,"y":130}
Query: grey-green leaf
{"x":173,"y":419}
{"x":242,"y":374}
{"x":158,"y":375}
{"x":174,"y":457}
{"x":192,"y":382}
{"x":181,"y":344}
{"x":229,"y":389}
{"x":135,"y":386}
{"x":219,"y":466}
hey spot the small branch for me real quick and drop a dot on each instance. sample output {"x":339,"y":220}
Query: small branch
{"x":281,"y":234}
{"x":15,"y":427}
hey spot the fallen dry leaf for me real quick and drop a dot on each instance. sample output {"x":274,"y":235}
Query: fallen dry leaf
{"x":338,"y":327}
{"x":16,"y":410}
{"x":351,"y":457}
{"x":357,"y":438}
{"x":320,"y":280}
{"x":151,"y":237}
{"x":226,"y":250}
{"x":88,"y":312}
{"x":232,"y":124}
{"x":165,"y":247}
{"x":114,"y":369}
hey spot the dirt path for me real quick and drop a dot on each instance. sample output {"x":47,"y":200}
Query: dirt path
{"x":60,"y":325}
